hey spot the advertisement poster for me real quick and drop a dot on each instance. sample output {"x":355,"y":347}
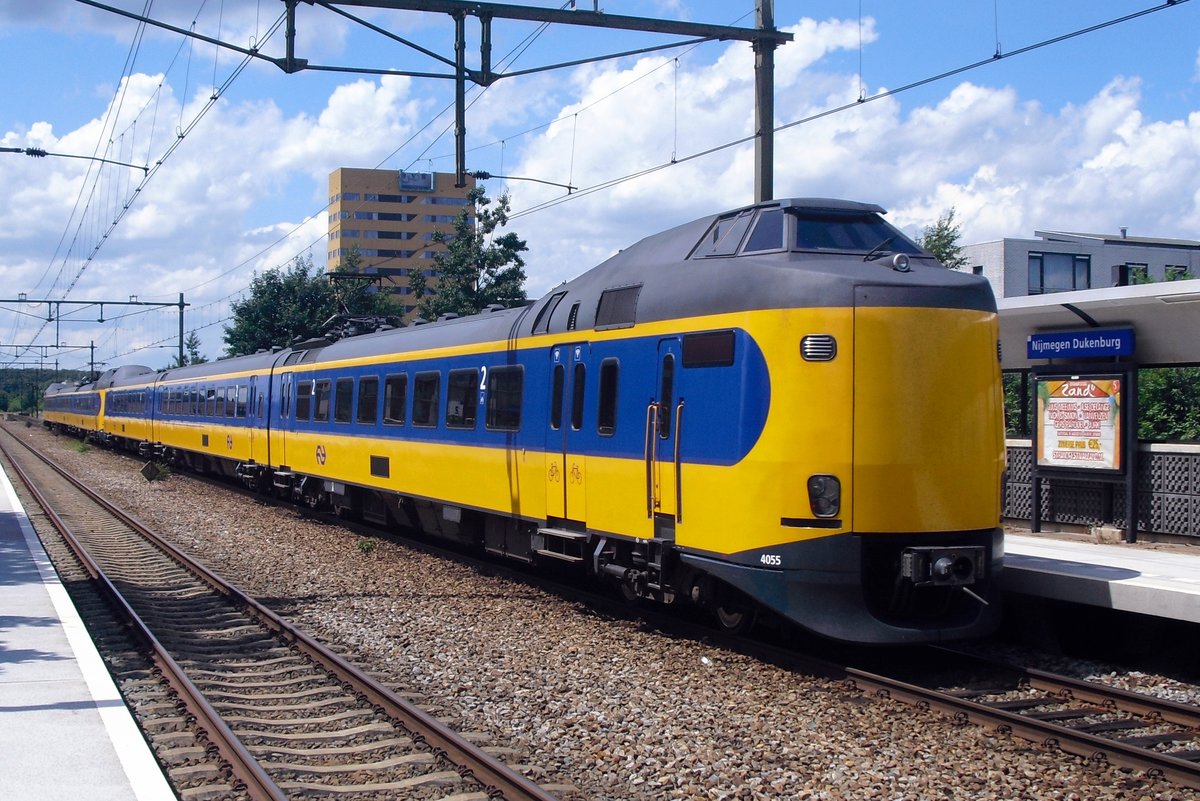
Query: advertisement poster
{"x":1079,"y":422}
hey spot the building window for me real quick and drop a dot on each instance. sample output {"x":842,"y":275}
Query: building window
{"x":1176,"y":272}
{"x":1058,"y":272}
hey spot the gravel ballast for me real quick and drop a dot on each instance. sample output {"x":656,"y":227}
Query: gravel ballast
{"x":600,"y":705}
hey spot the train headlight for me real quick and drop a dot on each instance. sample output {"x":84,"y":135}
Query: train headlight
{"x":824,"y":495}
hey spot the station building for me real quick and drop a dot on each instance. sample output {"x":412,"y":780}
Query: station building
{"x":1060,"y":261}
{"x":391,"y":216}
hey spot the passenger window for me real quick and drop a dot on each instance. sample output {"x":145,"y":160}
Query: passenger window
{"x":368,"y":400}
{"x":230,"y":401}
{"x":395,"y":398}
{"x":243,"y":394}
{"x":210,"y":402}
{"x":220,"y":402}
{"x":426,"y":396}
{"x":304,"y":391}
{"x":321,"y":404}
{"x":577,"y":397}
{"x":343,"y":400}
{"x":556,"y":398}
{"x":461,"y":405}
{"x":606,"y":420}
{"x":504,"y":389}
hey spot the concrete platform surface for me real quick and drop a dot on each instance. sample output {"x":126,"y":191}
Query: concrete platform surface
{"x":65,"y":732}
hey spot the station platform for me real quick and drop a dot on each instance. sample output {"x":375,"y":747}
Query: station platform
{"x":65,"y":732}
{"x":1143,"y":578}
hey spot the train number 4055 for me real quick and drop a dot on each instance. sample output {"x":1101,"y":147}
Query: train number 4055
{"x":771,"y":559}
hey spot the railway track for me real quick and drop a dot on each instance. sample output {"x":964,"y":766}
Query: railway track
{"x":274,"y":713}
{"x":1088,"y":719}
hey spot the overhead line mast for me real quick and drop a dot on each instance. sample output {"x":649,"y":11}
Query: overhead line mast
{"x":764,"y":38}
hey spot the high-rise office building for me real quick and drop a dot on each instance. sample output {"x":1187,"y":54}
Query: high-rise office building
{"x":391,"y":217}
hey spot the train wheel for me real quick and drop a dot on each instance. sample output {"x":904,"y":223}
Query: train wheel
{"x":734,"y":615}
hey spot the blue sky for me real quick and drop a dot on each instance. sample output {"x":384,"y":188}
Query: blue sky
{"x":1090,"y":134}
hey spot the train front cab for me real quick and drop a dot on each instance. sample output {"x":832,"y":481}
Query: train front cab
{"x":869,"y":508}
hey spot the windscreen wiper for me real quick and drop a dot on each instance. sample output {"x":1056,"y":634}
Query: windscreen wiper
{"x":879,"y":251}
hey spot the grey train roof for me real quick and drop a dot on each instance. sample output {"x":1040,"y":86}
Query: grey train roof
{"x":673,"y":285}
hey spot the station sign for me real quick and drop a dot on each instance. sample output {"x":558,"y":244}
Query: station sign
{"x":1089,"y":344}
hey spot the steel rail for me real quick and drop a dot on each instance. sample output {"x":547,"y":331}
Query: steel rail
{"x":1046,"y":733}
{"x":244,"y":767}
{"x":497,"y":777}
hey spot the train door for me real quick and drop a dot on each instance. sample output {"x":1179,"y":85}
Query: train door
{"x":279,"y":445}
{"x":566,"y":465}
{"x":255,"y":440}
{"x":664,"y":422}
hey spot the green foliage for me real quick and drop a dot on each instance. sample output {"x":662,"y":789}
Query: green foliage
{"x":293,"y":304}
{"x":1169,"y":404}
{"x":477,"y":268}
{"x":191,"y":354}
{"x":82,"y":447}
{"x":1012,"y":407}
{"x":365,"y":545}
{"x":941,"y":239}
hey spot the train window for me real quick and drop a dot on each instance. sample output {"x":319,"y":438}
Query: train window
{"x":504,"y":390}
{"x":617,"y":307}
{"x":666,"y":401}
{"x":541,"y":324}
{"x":230,"y":401}
{"x":723,"y":238}
{"x":368,"y":400}
{"x":767,"y":233}
{"x":848,"y":230}
{"x":395,"y":398}
{"x":321,"y":401}
{"x":343,"y":400}
{"x":426,"y":395}
{"x":556,"y":397}
{"x":606,"y":419}
{"x":710,"y":349}
{"x":461,"y":405}
{"x":210,"y":402}
{"x":577,"y":386}
{"x":304,"y":392}
{"x":260,"y":407}
{"x":285,"y":397}
{"x":243,"y":396}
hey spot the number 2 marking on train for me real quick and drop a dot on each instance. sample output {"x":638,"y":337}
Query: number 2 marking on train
{"x":771,"y":559}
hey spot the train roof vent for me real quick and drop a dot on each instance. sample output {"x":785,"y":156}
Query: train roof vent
{"x":448,"y":316}
{"x":573,"y":317}
{"x":818,"y":348}
{"x":493,"y":307}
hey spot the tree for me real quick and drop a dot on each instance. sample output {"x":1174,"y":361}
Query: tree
{"x":1169,"y":403}
{"x":941,"y":239}
{"x":477,"y":268}
{"x":296,"y":304}
{"x":192,"y":355}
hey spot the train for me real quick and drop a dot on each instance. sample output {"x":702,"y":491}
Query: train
{"x":786,"y":410}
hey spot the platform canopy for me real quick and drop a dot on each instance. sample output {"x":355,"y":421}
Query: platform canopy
{"x":1165,"y":318}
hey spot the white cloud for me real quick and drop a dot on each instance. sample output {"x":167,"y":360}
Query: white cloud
{"x":245,"y":191}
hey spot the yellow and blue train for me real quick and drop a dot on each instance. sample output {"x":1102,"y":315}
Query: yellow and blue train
{"x":789,"y":407}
